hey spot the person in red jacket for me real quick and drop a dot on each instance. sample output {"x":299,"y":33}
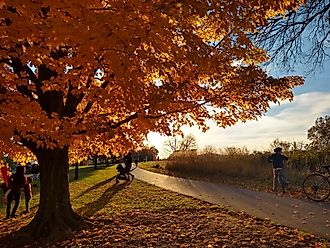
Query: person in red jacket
{"x":5,"y":175}
{"x":16,"y":182}
{"x":4,"y":185}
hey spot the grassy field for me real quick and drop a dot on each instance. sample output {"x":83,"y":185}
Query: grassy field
{"x":142,"y":215}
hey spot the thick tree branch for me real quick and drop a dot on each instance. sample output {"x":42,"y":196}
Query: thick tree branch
{"x":90,"y":103}
{"x":182,"y":110}
{"x":27,"y":143}
{"x":72,"y":101}
{"x":123,"y":121}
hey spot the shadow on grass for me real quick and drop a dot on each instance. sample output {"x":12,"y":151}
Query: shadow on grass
{"x":91,"y":208}
{"x":10,"y":228}
{"x":98,"y":185}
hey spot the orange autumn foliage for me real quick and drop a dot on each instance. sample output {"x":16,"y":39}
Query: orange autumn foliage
{"x":100,"y":75}
{"x":82,"y":77}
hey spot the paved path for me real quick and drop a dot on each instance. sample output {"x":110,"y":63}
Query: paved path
{"x":301,"y":214}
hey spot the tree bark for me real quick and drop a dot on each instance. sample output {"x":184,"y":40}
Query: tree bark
{"x":55,"y":219}
{"x":76,"y":169}
{"x":95,"y":162}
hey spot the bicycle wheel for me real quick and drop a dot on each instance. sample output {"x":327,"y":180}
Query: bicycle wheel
{"x":130,"y":178}
{"x":316,"y":187}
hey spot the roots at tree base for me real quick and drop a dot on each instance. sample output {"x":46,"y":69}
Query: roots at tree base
{"x":54,"y":226}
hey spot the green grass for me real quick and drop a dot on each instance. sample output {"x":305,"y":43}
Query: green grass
{"x":98,"y":194}
{"x":155,"y":166}
{"x":95,"y":191}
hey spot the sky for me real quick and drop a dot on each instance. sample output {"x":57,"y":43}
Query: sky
{"x":288,"y":121}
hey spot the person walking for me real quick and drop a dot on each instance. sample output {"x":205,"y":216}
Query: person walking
{"x":16,"y":182}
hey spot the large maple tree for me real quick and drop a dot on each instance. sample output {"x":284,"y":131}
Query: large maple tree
{"x":77,"y":74}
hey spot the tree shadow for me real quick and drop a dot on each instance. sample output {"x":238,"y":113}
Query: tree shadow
{"x":9,"y":228}
{"x":98,"y":185}
{"x":91,"y":208}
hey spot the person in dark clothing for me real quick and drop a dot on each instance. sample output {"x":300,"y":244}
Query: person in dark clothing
{"x":277,"y":159}
{"x":4,"y":188}
{"x":16,"y":182}
{"x":128,"y":162}
{"x":125,"y":171}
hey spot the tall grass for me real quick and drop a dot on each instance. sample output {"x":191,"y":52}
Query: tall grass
{"x":242,"y":165}
{"x":219,"y":165}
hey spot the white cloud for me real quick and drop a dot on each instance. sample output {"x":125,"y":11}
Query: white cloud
{"x":289,"y":121}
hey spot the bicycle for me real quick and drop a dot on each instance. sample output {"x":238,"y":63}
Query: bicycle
{"x":316,"y":186}
{"x":280,"y":178}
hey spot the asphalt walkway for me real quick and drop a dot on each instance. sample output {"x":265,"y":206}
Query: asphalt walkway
{"x":304,"y":215}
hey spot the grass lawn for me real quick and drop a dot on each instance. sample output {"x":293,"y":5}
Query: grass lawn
{"x":142,"y":215}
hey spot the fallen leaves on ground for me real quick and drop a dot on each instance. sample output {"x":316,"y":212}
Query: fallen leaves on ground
{"x":203,"y":227}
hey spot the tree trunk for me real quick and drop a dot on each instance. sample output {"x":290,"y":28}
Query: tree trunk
{"x":95,"y":162}
{"x":55,"y":219}
{"x":76,"y":174}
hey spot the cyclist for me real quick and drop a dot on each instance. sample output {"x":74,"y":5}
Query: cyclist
{"x":278,"y":163}
{"x":128,"y":162}
{"x":125,"y":171}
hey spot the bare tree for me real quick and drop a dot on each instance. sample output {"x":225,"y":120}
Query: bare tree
{"x":146,"y":153}
{"x":188,"y":143}
{"x":175,"y":144}
{"x":233,"y":151}
{"x":171,"y":145}
{"x":285,"y":145}
{"x":209,"y":150}
{"x":300,"y":36}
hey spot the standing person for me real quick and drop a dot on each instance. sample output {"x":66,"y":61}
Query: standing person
{"x":128,"y":162}
{"x":4,"y":185}
{"x":4,"y":192}
{"x":16,"y":183}
{"x":28,"y":193}
{"x":278,"y":162}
